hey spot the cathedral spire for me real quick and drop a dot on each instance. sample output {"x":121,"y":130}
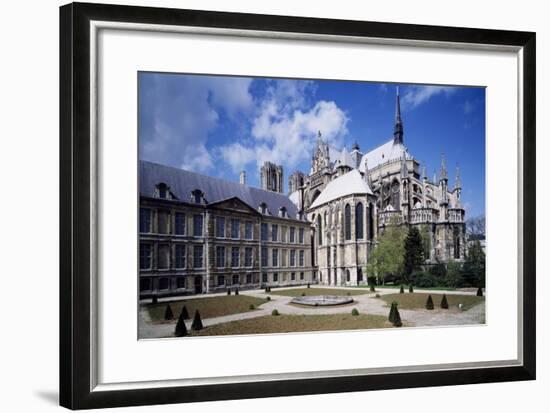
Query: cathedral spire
{"x":443,"y":168}
{"x":398,"y":128}
{"x":458,"y":181}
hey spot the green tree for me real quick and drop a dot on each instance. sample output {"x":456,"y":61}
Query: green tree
{"x":414,"y":252}
{"x":454,"y":276}
{"x":387,"y":256}
{"x":474,"y":267}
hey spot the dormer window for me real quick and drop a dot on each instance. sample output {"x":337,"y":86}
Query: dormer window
{"x":282,"y":212}
{"x":263,"y":208}
{"x":163,"y":191}
{"x":197,"y":196}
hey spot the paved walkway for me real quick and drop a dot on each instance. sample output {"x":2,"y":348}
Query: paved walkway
{"x":366,"y":304}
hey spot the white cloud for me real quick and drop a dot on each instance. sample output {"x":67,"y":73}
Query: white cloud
{"x":285,"y":128}
{"x":179,"y":113}
{"x":417,"y":95}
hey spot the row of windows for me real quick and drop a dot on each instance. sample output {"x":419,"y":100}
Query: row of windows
{"x":264,"y":235}
{"x":359,"y":223}
{"x":163,"y":227}
{"x":145,"y":226}
{"x":163,"y":256}
{"x":180,"y":256}
{"x":164,"y":283}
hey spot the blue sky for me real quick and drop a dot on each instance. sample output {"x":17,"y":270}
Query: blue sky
{"x":220,"y":125}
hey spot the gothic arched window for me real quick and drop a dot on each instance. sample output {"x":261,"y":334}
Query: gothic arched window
{"x":320,"y":229}
{"x":370,"y":222}
{"x":347,"y":221}
{"x":359,"y":221}
{"x":394,"y":195}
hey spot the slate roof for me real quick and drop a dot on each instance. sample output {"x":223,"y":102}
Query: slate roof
{"x":345,"y":159}
{"x":388,"y":151}
{"x":182,"y":183}
{"x":347,"y":184}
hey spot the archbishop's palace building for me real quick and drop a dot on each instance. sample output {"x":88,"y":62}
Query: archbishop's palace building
{"x":200,"y":234}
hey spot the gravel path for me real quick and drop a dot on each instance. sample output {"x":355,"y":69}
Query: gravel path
{"x":366,"y":304}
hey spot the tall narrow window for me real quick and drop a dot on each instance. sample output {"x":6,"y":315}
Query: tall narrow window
{"x":264,"y":257}
{"x":275,"y":258}
{"x":197,"y":225}
{"x":370,"y":223}
{"x":180,"y":256}
{"x":292,"y":258}
{"x":220,"y":227}
{"x":248,"y":257}
{"x":292,"y":235}
{"x":145,"y":256}
{"x":220,"y":256}
{"x":359,"y":221}
{"x":234,"y":256}
{"x":301,"y":235}
{"x":248,"y":226}
{"x":301,"y":258}
{"x":144,"y":220}
{"x":180,"y":223}
{"x":197,"y":256}
{"x":274,"y":232}
{"x":320,"y":230}
{"x":263,"y":229}
{"x":235,"y":228}
{"x":347,"y":223}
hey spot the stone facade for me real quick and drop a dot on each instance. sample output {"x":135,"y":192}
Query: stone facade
{"x":385,"y":186}
{"x":199,"y":246}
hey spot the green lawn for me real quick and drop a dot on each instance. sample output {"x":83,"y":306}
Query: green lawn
{"x":406,"y":287}
{"x":416,"y":301}
{"x":208,"y":306}
{"x":296,"y":292}
{"x":296,"y":323}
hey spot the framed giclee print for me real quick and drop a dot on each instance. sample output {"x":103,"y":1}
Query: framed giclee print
{"x":258,"y":206}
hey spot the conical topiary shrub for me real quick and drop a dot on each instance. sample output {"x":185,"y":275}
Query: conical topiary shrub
{"x":251,"y":307}
{"x":393,"y":309}
{"x":308,"y":286}
{"x":266,"y":290}
{"x":401,"y":290}
{"x":168,"y":314}
{"x":372,"y":288}
{"x":185,"y":313}
{"x":181,"y":328}
{"x":275,"y":312}
{"x":268,"y":298}
{"x":411,"y":289}
{"x":155,"y":299}
{"x":303,"y":294}
{"x":355,"y":312}
{"x":236,"y":291}
{"x":197,"y":322}
{"x":429,"y":303}
{"x":396,"y":317}
{"x":444,"y":303}
{"x":479,"y":292}
{"x":229,"y":291}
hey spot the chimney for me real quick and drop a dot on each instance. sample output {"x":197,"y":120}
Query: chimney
{"x":242,"y":178}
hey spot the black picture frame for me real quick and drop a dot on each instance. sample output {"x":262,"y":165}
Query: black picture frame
{"x":75,"y":221}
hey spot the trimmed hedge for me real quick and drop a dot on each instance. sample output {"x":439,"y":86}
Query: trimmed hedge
{"x":181,"y":328}
{"x":168,"y":314}
{"x":429,"y":303}
{"x":354,"y":312}
{"x":275,"y":312}
{"x":197,"y":322}
{"x":444,"y":303}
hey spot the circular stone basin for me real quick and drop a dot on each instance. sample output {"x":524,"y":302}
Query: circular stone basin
{"x":322,"y":300}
